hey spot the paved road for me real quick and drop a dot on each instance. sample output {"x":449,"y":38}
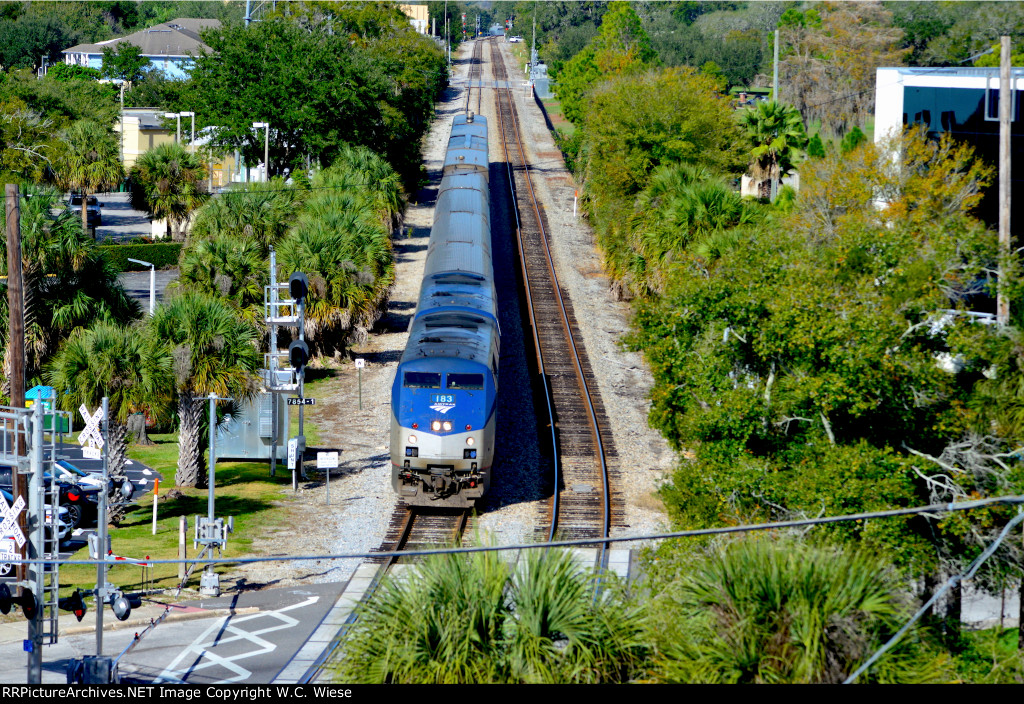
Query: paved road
{"x":136,"y":283}
{"x":246,"y":638}
{"x":120,"y":222}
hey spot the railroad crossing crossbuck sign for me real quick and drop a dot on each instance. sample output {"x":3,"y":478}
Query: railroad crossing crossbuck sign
{"x":91,"y":439}
{"x":10,"y":532}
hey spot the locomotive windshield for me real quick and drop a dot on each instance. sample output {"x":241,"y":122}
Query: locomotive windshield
{"x":466,"y":381}
{"x":421,"y":380}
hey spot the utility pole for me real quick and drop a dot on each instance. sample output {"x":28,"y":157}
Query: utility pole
{"x":1005,"y":257}
{"x":16,"y":340}
{"x":775,"y":68}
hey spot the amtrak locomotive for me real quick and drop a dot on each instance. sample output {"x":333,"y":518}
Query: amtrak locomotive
{"x":443,"y":397}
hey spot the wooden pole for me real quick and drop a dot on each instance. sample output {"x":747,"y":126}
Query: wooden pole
{"x":16,"y":341}
{"x":1005,"y":257}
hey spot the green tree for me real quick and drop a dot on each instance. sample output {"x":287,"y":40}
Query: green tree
{"x":124,"y":62}
{"x":460,"y":619}
{"x":263,"y":211}
{"x":169,"y":183}
{"x":89,"y":163}
{"x":801,"y":369}
{"x":232,"y":268}
{"x":683,"y":208}
{"x":68,"y":283}
{"x":213,"y":350}
{"x":72,"y":72}
{"x":28,"y":143}
{"x":132,"y":369}
{"x":776,"y":134}
{"x":319,"y":90}
{"x":767,"y":612}
{"x":621,"y":47}
{"x":815,"y":147}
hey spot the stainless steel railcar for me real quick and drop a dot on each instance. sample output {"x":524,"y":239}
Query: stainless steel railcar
{"x":443,"y":396}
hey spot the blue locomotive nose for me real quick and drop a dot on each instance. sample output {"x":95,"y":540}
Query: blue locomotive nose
{"x":453,"y":401}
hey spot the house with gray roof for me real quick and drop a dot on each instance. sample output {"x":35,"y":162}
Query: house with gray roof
{"x":169,"y":46}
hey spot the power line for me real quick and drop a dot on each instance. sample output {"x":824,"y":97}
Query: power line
{"x":779,"y":525}
{"x":951,"y":582}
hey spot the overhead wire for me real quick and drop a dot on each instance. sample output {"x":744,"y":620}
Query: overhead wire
{"x":578,"y":542}
{"x":950,"y":583}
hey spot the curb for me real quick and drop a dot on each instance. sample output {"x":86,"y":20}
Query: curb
{"x":173,"y":615}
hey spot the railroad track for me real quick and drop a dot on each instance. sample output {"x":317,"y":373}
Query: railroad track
{"x":475,"y":75}
{"x":584,"y":498}
{"x":419,"y":528}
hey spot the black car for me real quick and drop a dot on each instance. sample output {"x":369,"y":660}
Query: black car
{"x":81,"y":501}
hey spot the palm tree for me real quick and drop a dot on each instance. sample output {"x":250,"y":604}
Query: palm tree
{"x":131,"y":369}
{"x":362,"y":169}
{"x":776,"y":134}
{"x":214,"y":350}
{"x":263,"y":211}
{"x":68,"y":282}
{"x":229,"y":267}
{"x":342,"y":245}
{"x":760,"y":611}
{"x":684,"y":208}
{"x":168,"y":182}
{"x":472,"y":618}
{"x":89,"y":162}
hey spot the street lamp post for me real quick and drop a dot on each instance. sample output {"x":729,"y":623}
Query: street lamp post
{"x":192,"y":140}
{"x":152,"y":283}
{"x":266,"y":148}
{"x":177,"y":134}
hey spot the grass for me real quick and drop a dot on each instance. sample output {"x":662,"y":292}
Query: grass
{"x":244,"y":490}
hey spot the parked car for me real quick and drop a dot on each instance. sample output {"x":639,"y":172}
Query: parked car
{"x":93,"y":215}
{"x":81,"y":500}
{"x":515,"y":39}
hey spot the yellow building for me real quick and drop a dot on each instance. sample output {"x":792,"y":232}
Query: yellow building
{"x":142,"y":130}
{"x":418,"y":16}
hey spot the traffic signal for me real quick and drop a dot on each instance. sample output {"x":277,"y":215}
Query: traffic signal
{"x":75,"y":604}
{"x":298,"y":286}
{"x":5,"y":599}
{"x":298,"y":355}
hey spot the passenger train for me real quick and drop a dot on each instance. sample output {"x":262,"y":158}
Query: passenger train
{"x":443,"y":397}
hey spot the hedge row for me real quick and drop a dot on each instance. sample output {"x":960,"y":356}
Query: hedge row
{"x":161,"y":254}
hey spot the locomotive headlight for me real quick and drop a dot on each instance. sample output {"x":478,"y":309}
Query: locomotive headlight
{"x":436,"y":425}
{"x":412,"y":439}
{"x":470,"y":441}
{"x":447,"y":425}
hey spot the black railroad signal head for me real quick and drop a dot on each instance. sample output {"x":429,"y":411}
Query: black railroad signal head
{"x":298,"y":355}
{"x":298,"y":286}
{"x":75,"y":604}
{"x":5,"y":599}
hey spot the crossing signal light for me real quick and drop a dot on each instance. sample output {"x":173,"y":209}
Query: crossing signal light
{"x":298,"y":286}
{"x":298,"y":355}
{"x":29,"y":605}
{"x":122,"y":607}
{"x":27,"y":602}
{"x":75,"y":604}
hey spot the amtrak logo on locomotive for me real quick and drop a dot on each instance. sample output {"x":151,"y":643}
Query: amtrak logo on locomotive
{"x":442,"y":403}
